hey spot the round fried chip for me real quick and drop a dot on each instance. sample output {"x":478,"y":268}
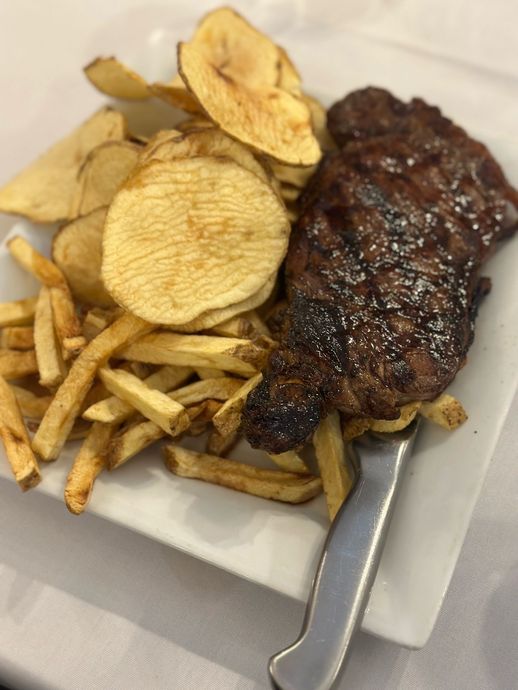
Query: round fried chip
{"x":205,"y":142}
{"x":191,"y":234}
{"x":103,"y":172}
{"x":176,"y":94}
{"x":288,"y":79}
{"x":319,"y":123}
{"x":113,"y":78}
{"x":215,"y":316}
{"x":237,"y":49}
{"x":77,"y":250}
{"x":268,"y":119}
{"x":298,"y":177}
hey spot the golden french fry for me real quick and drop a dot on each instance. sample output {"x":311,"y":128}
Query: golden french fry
{"x":228,"y":419}
{"x":389,"y":426}
{"x":66,"y":405}
{"x":105,"y":169}
{"x":208,"y":373}
{"x":48,"y":355}
{"x":17,"y":338}
{"x":67,"y":324}
{"x":79,"y":431}
{"x":111,"y":77}
{"x":97,"y":319}
{"x":43,"y":192}
{"x":88,"y":464}
{"x":16,"y":440}
{"x":220,"y":445}
{"x":354,"y":427}
{"x":201,"y":422}
{"x":18,"y":313}
{"x":337,"y":473}
{"x":197,"y":398}
{"x":290,"y":461}
{"x":242,"y":357}
{"x":274,"y":484}
{"x":31,"y":405}
{"x":188,"y":235}
{"x":113,"y":409}
{"x":151,"y":403}
{"x":77,"y":251}
{"x":15,"y":364}
{"x":247,"y":325}
{"x":445,"y":410}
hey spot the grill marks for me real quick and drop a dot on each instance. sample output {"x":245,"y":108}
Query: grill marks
{"x":382,"y":273}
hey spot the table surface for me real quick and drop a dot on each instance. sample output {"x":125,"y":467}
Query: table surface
{"x":85,"y":604}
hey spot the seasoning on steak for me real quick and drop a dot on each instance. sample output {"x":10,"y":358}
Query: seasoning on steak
{"x":382,"y":274}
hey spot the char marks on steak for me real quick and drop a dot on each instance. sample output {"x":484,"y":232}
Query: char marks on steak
{"x":382,"y":274}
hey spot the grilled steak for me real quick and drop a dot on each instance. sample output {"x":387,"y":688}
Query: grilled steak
{"x":382,"y":274}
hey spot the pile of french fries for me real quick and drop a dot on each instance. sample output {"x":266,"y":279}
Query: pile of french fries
{"x":151,"y":321}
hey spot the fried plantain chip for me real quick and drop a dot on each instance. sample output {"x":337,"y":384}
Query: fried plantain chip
{"x":113,"y":78}
{"x":268,"y":119}
{"x":188,"y":235}
{"x":43,"y":192}
{"x":105,"y":169}
{"x":77,"y":251}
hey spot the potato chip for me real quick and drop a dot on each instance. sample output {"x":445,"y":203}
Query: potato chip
{"x":236,"y":49}
{"x":205,"y":142}
{"x":193,"y":123}
{"x":111,"y":77}
{"x":319,"y":123}
{"x":175,"y":93}
{"x":43,"y":192}
{"x":288,"y":174}
{"x":77,"y":251}
{"x":268,"y":119}
{"x":288,"y":78}
{"x":189,"y":235}
{"x":213,"y":317}
{"x":102,"y":174}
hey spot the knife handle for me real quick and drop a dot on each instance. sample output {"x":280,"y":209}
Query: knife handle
{"x":347,"y":569}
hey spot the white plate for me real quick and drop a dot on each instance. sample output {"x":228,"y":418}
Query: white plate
{"x":277,"y":545}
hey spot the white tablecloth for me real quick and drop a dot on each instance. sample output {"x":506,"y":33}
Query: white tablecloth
{"x":85,"y":604}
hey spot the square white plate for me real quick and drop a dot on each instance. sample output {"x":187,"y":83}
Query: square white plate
{"x":277,"y":545}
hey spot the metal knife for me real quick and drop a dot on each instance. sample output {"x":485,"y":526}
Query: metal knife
{"x":347,"y":568}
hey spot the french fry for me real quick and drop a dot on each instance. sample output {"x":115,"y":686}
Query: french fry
{"x":79,"y":431}
{"x":16,"y":440}
{"x":17,"y":338}
{"x":235,"y":355}
{"x":48,"y":355}
{"x":201,"y":422}
{"x":290,"y":461}
{"x":208,"y":373}
{"x":15,"y":364}
{"x":445,"y":410}
{"x":389,"y":426}
{"x":156,"y":406}
{"x":338,"y":476}
{"x":31,"y":405}
{"x":220,"y":445}
{"x":18,"y":313}
{"x":228,"y":419}
{"x":59,"y":418}
{"x":221,"y":388}
{"x":88,"y":464}
{"x":274,"y":484}
{"x":97,"y":319}
{"x":130,"y":441}
{"x":68,"y":327}
{"x":113,"y":409}
{"x":354,"y":427}
{"x":247,"y":325}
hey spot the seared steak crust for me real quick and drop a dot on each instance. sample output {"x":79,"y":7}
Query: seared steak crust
{"x":382,"y":273}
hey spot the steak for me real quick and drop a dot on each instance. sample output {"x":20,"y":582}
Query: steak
{"x":382,"y":276}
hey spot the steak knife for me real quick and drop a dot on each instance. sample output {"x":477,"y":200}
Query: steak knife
{"x":347,"y":567}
